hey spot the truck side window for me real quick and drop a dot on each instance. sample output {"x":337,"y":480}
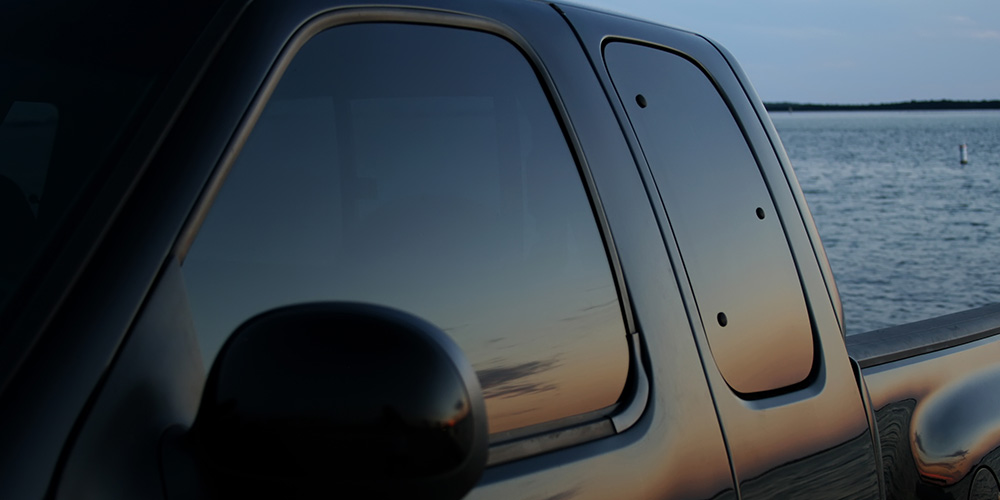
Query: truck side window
{"x":720,"y":210}
{"x":423,"y":168}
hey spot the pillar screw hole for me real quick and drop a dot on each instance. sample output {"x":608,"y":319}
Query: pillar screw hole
{"x":640,"y":100}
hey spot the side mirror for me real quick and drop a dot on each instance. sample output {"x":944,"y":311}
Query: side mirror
{"x":327,"y":398}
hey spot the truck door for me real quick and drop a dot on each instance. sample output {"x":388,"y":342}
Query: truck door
{"x":791,"y":410}
{"x":458,"y":161}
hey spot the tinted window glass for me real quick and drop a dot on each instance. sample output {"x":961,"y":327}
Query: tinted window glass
{"x":422,"y":168}
{"x":720,"y":210}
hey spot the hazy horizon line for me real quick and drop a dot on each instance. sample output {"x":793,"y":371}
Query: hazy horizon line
{"x":936,"y":104}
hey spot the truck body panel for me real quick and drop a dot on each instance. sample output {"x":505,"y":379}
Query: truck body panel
{"x":734,"y":376}
{"x":930,"y":385}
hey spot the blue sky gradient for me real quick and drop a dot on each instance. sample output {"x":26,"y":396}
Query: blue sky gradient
{"x":849,"y":51}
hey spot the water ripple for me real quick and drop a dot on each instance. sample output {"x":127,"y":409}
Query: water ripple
{"x":910,"y":232}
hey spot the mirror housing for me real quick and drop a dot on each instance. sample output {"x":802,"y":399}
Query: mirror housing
{"x":325,"y":398}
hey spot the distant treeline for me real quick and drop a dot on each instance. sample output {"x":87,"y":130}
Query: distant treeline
{"x":911,"y":105}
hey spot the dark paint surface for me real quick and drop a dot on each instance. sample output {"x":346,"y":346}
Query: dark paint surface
{"x":844,"y":471}
{"x":75,"y":315}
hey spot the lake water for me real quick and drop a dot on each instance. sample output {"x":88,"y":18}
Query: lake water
{"x":910,"y":232}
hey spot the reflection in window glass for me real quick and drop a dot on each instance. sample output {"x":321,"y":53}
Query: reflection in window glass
{"x":422,"y":168}
{"x":739,"y":264}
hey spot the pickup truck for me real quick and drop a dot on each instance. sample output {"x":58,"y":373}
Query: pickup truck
{"x":435,"y":249}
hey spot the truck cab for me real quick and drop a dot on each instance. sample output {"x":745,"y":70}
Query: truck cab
{"x":429,"y":249}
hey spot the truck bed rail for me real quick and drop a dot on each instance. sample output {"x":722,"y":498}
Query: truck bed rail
{"x":911,"y":339}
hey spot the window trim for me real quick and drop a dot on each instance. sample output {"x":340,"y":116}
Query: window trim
{"x":517,"y":443}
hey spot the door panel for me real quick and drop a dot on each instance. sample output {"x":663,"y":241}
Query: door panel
{"x":672,"y":444}
{"x":811,"y":439}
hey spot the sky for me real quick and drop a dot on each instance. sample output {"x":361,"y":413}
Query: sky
{"x":846,"y":51}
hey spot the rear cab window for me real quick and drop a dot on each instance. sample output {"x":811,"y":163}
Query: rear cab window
{"x":734,"y":250}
